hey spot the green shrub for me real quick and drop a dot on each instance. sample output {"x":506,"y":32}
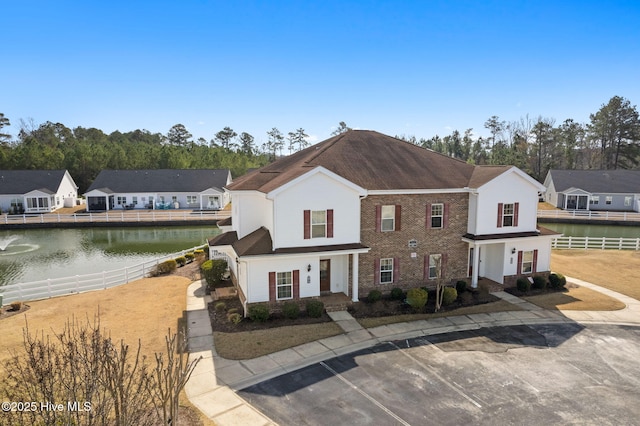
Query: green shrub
{"x":166,"y":267}
{"x":181,"y":261}
{"x":374,"y":296}
{"x":259,"y":313}
{"x":198,"y":252}
{"x":314,"y":308}
{"x":449,"y":295}
{"x":523,"y":285}
{"x":461,"y":286}
{"x":557,"y":280}
{"x":291,"y":310}
{"x":220,"y":306}
{"x":417,"y":298}
{"x":189,"y":256}
{"x":539,"y":282}
{"x":397,"y":294}
{"x":232,"y":311}
{"x":212,"y":271}
{"x":234,"y":318}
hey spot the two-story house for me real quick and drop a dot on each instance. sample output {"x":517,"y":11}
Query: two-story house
{"x":363,"y":210}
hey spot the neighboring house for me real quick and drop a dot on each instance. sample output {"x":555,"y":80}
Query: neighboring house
{"x":36,"y":191}
{"x":363,"y":211}
{"x":612,"y":190}
{"x":159,"y":189}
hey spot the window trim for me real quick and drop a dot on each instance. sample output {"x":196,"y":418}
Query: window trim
{"x":628,"y":200}
{"x":280,"y":284}
{"x":436,"y":216}
{"x":192,"y":199}
{"x":608,"y":199}
{"x":392,"y":209}
{"x":594,"y":200}
{"x":388,"y":264}
{"x":437,"y":267}
{"x":506,"y":215}
{"x":318,"y":225}
{"x":524,"y":270}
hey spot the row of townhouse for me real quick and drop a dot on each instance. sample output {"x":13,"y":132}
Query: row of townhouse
{"x":43,"y":191}
{"x":363,"y":210}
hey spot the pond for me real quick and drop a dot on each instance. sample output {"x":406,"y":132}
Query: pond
{"x":37,"y":254}
{"x":609,"y":231}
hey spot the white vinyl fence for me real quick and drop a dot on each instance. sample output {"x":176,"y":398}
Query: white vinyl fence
{"x":596,"y":243}
{"x":120,"y":216}
{"x":589,"y":214}
{"x":53,"y":287}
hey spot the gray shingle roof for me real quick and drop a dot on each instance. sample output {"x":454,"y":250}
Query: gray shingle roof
{"x":598,"y":181}
{"x":23,"y":181}
{"x":160,"y":180}
{"x":373,"y":161}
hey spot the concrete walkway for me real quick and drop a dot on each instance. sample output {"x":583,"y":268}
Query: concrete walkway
{"x":214,"y":381}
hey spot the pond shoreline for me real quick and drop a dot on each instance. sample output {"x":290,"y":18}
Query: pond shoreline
{"x":126,"y":224}
{"x":577,"y":221}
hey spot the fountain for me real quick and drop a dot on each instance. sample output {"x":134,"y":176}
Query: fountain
{"x":4,"y":243}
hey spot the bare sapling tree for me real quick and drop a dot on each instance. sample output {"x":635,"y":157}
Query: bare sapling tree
{"x":169,"y":377}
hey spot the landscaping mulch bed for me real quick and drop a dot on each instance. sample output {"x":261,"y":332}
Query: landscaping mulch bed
{"x":8,"y":311}
{"x":537,"y":291}
{"x":219,"y":321}
{"x":389,"y":307}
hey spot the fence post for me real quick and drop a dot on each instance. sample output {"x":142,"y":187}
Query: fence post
{"x":637,"y":244}
{"x":620,"y":244}
{"x":604,"y":243}
{"x":586,"y":243}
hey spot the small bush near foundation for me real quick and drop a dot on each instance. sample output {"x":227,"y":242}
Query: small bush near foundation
{"x":181,"y":261}
{"x":259,"y":313}
{"x":417,"y":298}
{"x":539,"y":282}
{"x":166,"y":267}
{"x":189,"y":256}
{"x":315,"y":308}
{"x":220,"y":306}
{"x":557,"y":280}
{"x":16,"y":306}
{"x":232,"y":311}
{"x":212,"y":271}
{"x":234,"y":318}
{"x":198,"y":252}
{"x":397,"y":294}
{"x":449,"y":295}
{"x":461,"y":286}
{"x":374,"y":296}
{"x":291,"y":310}
{"x":523,"y":285}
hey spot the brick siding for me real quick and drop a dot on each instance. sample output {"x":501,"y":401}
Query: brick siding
{"x":395,"y":244}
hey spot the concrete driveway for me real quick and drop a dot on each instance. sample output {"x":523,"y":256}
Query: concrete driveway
{"x":515,"y":375}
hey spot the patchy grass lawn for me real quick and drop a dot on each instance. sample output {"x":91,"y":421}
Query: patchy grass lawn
{"x":252,"y":344}
{"x":543,"y":205}
{"x":499,"y":306}
{"x":576,"y":299}
{"x":144,"y":309}
{"x":617,"y":270}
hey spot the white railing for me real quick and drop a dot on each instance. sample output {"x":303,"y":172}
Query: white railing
{"x":596,"y":243}
{"x":53,"y":287}
{"x":123,"y":216}
{"x":589,"y":214}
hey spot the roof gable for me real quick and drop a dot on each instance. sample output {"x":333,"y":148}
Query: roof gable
{"x":160,"y":180}
{"x":484,"y":175}
{"x":24,"y":181}
{"x":597,"y":181}
{"x":368,"y":159}
{"x":313,"y":172}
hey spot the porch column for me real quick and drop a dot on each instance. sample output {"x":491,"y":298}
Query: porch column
{"x":476,"y":262}
{"x":354,"y":277}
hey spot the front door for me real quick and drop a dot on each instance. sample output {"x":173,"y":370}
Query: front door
{"x":325,"y":275}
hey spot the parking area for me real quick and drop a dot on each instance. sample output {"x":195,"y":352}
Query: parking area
{"x":535,"y":374}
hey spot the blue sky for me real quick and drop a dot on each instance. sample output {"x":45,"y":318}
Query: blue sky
{"x":400,"y":67}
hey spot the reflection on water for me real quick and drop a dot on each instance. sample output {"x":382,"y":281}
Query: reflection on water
{"x":38,"y":254}
{"x":609,"y":231}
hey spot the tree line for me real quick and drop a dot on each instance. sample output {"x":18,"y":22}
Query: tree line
{"x":610,"y":140}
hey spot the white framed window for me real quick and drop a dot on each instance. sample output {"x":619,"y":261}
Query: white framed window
{"x":507,"y":215}
{"x":386,"y":271}
{"x":318,"y":223}
{"x":527,"y":262}
{"x":134,"y":201}
{"x":161,"y":199}
{"x":284,"y":285}
{"x":435,"y":266}
{"x":121,"y":200}
{"x":595,"y":199}
{"x":608,"y":199}
{"x":627,"y":201}
{"x":192,"y":199}
{"x":388,"y":218}
{"x":174,"y":199}
{"x":437,"y":214}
